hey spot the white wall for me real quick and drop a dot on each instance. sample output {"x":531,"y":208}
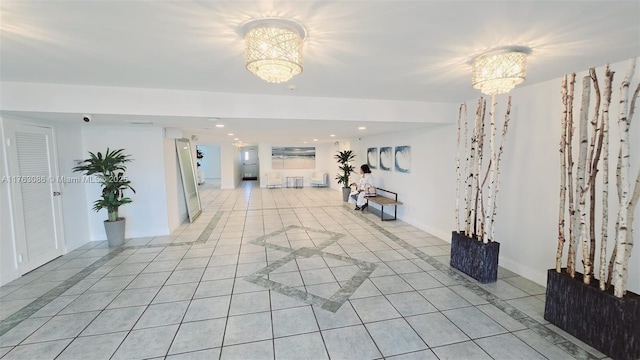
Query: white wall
{"x":427,"y":192}
{"x":61,"y":98}
{"x":210,"y":164}
{"x":323,"y":163}
{"x":74,"y":197}
{"x":147,"y":214}
{"x":8,"y":264}
{"x":229,"y":166}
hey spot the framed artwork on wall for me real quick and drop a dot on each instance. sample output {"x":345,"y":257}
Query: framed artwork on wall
{"x":293,"y":157}
{"x":403,"y":159}
{"x":386,"y":158}
{"x":372,"y":157}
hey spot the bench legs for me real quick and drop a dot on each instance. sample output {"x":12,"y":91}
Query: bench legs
{"x":395,"y":212}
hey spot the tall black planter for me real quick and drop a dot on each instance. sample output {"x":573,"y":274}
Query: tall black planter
{"x":605,"y":322}
{"x":475,"y":258}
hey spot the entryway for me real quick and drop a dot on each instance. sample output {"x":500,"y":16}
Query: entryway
{"x":250,"y":163}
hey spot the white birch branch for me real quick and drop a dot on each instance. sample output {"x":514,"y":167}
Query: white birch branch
{"x":633,"y":201}
{"x":621,"y":262}
{"x":505,"y":127}
{"x":608,"y":80}
{"x":563,"y":176}
{"x":457,"y":209}
{"x":488,"y":231}
{"x":466,"y":168}
{"x":595,"y":149}
{"x":479,"y":193}
{"x":583,"y":174}
{"x":472,"y":173}
{"x":571,"y":257}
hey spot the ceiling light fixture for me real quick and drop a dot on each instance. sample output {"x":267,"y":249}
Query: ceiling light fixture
{"x":332,"y":135}
{"x":362,"y":128}
{"x":273,"y":48}
{"x":220,"y":125}
{"x":500,"y":70}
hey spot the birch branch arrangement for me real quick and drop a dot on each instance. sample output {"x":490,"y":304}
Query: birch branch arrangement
{"x":480,"y":220}
{"x":593,"y":140}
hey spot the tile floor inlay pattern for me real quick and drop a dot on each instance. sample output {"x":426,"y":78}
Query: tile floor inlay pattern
{"x":336,"y":300}
{"x":24,"y":313}
{"x":45,"y":299}
{"x":504,"y":306}
{"x":275,"y":274}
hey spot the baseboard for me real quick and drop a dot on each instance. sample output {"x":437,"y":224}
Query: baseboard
{"x":539,"y":276}
{"x":8,"y":276}
{"x":444,"y":235}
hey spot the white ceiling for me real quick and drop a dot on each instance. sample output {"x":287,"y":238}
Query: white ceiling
{"x":397,"y":50}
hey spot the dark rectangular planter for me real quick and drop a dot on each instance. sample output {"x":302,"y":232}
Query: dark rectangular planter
{"x":475,"y":258}
{"x":605,"y":322}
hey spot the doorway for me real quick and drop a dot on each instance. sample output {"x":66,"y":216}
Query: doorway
{"x":35,"y":184}
{"x":250,"y":163}
{"x":210,"y":164}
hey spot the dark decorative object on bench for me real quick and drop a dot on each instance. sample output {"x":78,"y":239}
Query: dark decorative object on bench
{"x":385,"y":201}
{"x":608,"y":323}
{"x":475,"y":258}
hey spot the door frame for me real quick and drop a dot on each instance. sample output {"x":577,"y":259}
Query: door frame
{"x":257,"y":152}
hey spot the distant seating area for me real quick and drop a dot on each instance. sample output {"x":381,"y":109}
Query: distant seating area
{"x":319,"y":179}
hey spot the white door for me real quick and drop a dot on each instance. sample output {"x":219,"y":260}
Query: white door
{"x":250,"y":163}
{"x":36,"y":194}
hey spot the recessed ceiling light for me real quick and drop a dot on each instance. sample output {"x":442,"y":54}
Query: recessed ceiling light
{"x":305,"y":142}
{"x":315,"y":139}
{"x":230,"y":134}
{"x":333,"y":135}
{"x":219,"y":125}
{"x":214,"y":119}
{"x":236,"y":139}
{"x":362,"y":128}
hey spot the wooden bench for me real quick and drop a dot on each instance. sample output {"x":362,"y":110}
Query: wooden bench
{"x":383,"y":201}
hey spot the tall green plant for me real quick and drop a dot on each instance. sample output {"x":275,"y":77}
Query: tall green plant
{"x":344,"y":158}
{"x":109,"y":170}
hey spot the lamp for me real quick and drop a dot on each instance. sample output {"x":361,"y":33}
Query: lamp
{"x":500,"y":70}
{"x":273,"y":48}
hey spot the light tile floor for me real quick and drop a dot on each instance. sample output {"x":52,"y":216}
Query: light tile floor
{"x":275,"y":273}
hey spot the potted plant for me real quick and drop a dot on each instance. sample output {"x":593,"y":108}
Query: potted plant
{"x":595,"y":305}
{"x":344,"y":158}
{"x":473,"y":249}
{"x":200,"y":156}
{"x":109,"y":170}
